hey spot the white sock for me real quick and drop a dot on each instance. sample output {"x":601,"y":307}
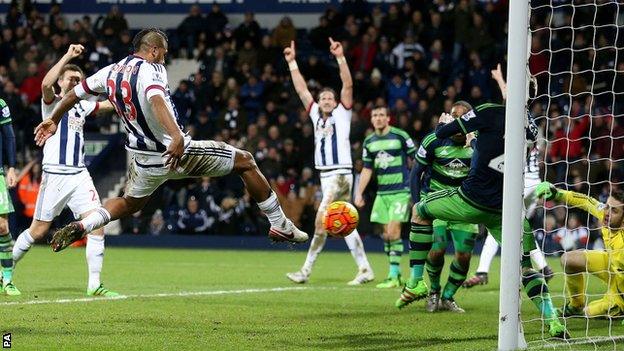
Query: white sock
{"x":22,"y":244}
{"x":95,"y":258}
{"x":490,"y":248}
{"x":354,"y":242}
{"x":316,"y":246}
{"x":97,"y":219}
{"x":538,"y":258}
{"x":273,"y":210}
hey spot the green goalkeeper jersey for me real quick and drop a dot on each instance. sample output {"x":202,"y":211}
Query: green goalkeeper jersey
{"x":387,"y":155}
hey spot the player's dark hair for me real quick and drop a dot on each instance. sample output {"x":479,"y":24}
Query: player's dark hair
{"x":149,"y":37}
{"x":327,"y":89}
{"x":379,"y":107}
{"x":618,"y":194}
{"x":71,"y":67}
{"x":463,"y":104}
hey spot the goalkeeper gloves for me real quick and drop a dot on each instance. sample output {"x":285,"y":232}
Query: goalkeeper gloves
{"x":546,"y":191}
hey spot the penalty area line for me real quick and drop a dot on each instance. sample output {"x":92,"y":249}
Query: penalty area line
{"x":159,"y":295}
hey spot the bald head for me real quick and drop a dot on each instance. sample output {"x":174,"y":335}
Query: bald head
{"x":149,"y":38}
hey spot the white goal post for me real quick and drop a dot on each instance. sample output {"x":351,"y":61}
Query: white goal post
{"x":509,"y":326}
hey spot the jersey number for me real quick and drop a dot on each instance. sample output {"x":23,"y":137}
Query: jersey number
{"x":130,"y":111}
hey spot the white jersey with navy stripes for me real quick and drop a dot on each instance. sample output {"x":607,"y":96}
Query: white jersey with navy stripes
{"x":531,"y":169}
{"x":332,"y":148}
{"x":63,"y":152}
{"x":129,"y":84}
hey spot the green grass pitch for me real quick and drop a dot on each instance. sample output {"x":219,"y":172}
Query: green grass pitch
{"x":231,"y":300}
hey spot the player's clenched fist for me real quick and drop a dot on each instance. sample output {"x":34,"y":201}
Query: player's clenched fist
{"x":289,"y":52}
{"x":75,"y":50}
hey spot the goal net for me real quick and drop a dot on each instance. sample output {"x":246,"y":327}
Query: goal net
{"x":576,"y":59}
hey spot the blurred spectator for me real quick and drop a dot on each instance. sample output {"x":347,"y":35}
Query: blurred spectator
{"x":190,"y":29}
{"x":193,"y":220}
{"x":284,"y":33}
{"x":249,"y":30}
{"x":319,"y":36}
{"x":114,"y":23}
{"x":28,"y":184}
{"x":157,"y":224}
{"x":573,"y":236}
{"x":232,"y":118}
{"x":184,"y":100}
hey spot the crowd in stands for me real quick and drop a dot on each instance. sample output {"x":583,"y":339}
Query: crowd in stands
{"x":416,"y":57}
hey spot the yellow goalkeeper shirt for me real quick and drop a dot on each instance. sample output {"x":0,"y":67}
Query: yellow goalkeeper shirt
{"x":613,"y":239}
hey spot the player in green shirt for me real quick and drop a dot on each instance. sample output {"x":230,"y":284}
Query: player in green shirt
{"x":443,"y":163}
{"x":6,"y":206}
{"x":386,"y":153}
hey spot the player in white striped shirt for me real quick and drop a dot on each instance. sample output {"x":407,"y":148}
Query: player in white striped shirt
{"x":65,"y":180}
{"x":332,"y":157}
{"x":138,"y":89}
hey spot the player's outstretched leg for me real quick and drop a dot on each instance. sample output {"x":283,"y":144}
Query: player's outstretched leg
{"x":6,"y":261}
{"x":394,"y":251}
{"x":490,"y":248}
{"x":457,"y":275}
{"x":356,"y":247}
{"x":282,"y":229}
{"x":421,"y":239}
{"x":95,"y":259}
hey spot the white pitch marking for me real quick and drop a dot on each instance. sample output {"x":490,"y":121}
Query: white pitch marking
{"x":178,"y":294}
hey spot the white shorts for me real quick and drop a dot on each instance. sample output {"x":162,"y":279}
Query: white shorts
{"x":202,"y":158}
{"x":75,"y":191}
{"x":334,"y":188}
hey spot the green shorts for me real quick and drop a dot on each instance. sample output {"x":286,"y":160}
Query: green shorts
{"x":462,"y":234}
{"x":451,"y":205}
{"x":6,"y":205}
{"x":391,"y":208}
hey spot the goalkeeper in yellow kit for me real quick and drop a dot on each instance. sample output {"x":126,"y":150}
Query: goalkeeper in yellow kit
{"x":607,"y":265}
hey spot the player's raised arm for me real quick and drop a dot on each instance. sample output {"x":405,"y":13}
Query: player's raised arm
{"x":548,"y":191}
{"x":346,"y":93}
{"x":497,"y":75}
{"x":47,"y":85}
{"x":300,"y":85}
{"x":48,"y":126}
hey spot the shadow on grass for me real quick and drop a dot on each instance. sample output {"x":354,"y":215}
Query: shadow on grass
{"x":388,"y":341}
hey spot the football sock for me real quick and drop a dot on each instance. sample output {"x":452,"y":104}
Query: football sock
{"x":421,"y":240}
{"x":457,"y":275}
{"x":434,"y":270}
{"x":394,"y":250}
{"x":95,"y":258}
{"x":538,"y":257}
{"x":575,"y":283}
{"x":97,"y":219}
{"x":273,"y":210}
{"x":354,"y":242}
{"x":23,"y":243}
{"x":6,"y":258}
{"x":490,"y":248}
{"x":537,"y":290}
{"x":316,"y":246}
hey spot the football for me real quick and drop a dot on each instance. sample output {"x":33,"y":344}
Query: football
{"x":341,"y":218}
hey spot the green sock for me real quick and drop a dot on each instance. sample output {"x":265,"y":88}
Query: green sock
{"x":434,"y":270}
{"x":421,"y":240}
{"x":6,"y":258}
{"x":537,"y":290}
{"x":394,"y":250}
{"x":456,"y":277}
